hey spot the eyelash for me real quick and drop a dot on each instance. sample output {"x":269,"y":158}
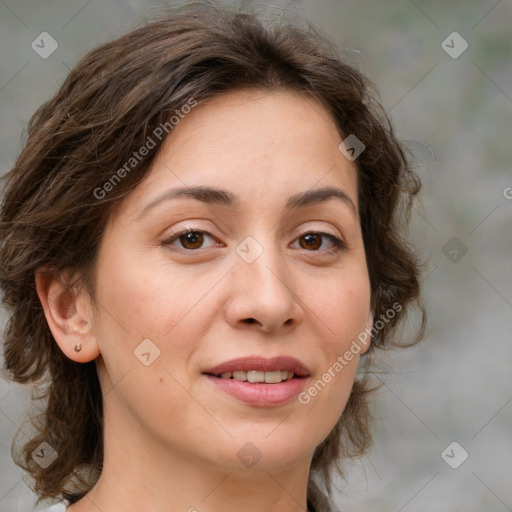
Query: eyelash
{"x":339,"y":245}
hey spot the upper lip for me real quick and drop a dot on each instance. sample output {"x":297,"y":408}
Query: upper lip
{"x":262,"y":364}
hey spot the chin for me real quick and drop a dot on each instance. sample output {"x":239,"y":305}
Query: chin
{"x":271,"y":449}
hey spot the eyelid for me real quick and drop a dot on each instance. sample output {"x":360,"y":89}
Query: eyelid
{"x":172,"y":237}
{"x":339,"y":243}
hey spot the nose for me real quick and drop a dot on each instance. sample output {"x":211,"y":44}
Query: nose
{"x":263,"y":291}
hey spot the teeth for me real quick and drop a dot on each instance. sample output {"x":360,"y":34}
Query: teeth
{"x":254,"y":376}
{"x":273,"y":377}
{"x":240,"y":376}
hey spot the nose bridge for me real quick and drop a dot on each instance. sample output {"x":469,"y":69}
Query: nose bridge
{"x":263,"y":283}
{"x":260,"y":260}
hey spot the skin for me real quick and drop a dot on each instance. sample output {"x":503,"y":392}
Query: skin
{"x":171,"y":437}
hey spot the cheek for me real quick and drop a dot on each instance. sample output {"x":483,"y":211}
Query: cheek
{"x":341,"y":310}
{"x":150,"y":298}
{"x":140,"y":302}
{"x":342,"y":306}
{"x":326,"y":395}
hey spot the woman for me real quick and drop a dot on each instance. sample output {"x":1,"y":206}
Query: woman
{"x":200,"y":246}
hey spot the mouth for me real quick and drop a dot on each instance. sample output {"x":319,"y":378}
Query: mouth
{"x":260,"y":381}
{"x":255,"y":376}
{"x":259,"y":369}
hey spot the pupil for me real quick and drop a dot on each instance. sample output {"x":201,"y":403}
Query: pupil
{"x":193,"y":237}
{"x":310,"y":240}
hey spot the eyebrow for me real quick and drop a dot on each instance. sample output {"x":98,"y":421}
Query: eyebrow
{"x":221,"y":197}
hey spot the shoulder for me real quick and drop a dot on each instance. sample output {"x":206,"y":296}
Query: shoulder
{"x":61,"y":506}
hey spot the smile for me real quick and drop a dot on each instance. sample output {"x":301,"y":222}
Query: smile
{"x":258,"y":376}
{"x":259,"y":381}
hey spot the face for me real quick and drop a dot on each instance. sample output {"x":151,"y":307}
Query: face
{"x":258,"y":274}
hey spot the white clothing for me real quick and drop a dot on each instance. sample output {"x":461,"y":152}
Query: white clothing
{"x":61,"y":506}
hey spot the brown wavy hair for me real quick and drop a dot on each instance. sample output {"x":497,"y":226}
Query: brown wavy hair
{"x":115,"y":96}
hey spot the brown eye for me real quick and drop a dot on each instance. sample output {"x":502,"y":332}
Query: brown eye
{"x":314,"y":240}
{"x":189,"y":239}
{"x":311,"y":241}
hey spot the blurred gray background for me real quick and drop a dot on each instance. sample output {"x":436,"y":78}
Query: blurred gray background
{"x":453,"y":106}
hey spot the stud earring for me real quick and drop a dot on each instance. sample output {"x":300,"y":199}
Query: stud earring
{"x":78,"y":347}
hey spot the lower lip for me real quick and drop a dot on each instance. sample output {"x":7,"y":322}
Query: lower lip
{"x":259,"y":393}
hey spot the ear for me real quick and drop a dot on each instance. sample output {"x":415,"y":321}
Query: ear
{"x":368,"y":340}
{"x":69,"y":315}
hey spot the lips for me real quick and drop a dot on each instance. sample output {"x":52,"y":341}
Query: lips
{"x":261,"y":364}
{"x":258,"y":381}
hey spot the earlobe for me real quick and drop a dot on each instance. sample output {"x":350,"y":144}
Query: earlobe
{"x":69,"y":316}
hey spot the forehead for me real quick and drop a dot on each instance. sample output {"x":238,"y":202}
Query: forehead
{"x":257,"y":122}
{"x":262,"y":145}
